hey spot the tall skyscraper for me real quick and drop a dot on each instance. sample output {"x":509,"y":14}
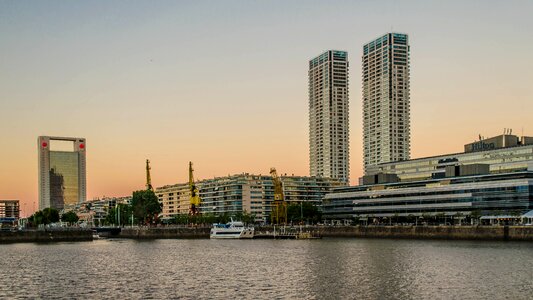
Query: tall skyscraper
{"x":329,"y":154}
{"x":386,"y":110}
{"x":62,"y":171}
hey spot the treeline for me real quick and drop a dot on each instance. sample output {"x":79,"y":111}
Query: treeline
{"x":303,"y":212}
{"x":51,"y":215}
{"x":144,"y":209}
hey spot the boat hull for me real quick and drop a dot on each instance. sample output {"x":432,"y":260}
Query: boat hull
{"x":221,"y":233}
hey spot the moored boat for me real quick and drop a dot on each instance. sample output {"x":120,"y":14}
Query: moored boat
{"x":231,"y":230}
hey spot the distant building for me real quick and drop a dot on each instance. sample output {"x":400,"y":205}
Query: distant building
{"x":498,"y":142}
{"x":493,"y":177}
{"x":386,"y":100}
{"x":504,"y":153}
{"x":62,"y":171}
{"x":94,"y":212}
{"x":509,"y":194}
{"x":329,"y":154}
{"x":9,"y":211}
{"x":243,"y":193}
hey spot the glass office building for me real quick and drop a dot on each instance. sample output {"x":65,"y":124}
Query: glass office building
{"x":62,"y":172}
{"x":506,"y":157}
{"x":64,"y":178}
{"x":488,"y":195}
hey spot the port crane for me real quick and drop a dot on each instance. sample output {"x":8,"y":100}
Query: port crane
{"x":279,"y":206}
{"x":194,"y":206}
{"x":148,"y":178}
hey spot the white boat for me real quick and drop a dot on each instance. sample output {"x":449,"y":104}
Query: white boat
{"x":231,"y":230}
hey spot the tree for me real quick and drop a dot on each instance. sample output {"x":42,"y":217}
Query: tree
{"x":410,"y":218}
{"x":125,"y":214}
{"x":70,"y":217}
{"x":45,"y":216}
{"x":516,"y":215}
{"x":181,"y":219}
{"x":459,"y":216}
{"x":475,"y":215}
{"x":146,"y":206}
{"x":248,"y":218}
{"x":396,"y":217}
{"x":37,"y":218}
{"x":299,"y":212}
{"x":51,"y":215}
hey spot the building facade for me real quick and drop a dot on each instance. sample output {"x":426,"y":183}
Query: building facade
{"x":329,"y":154}
{"x":504,"y":153}
{"x":485,"y":195}
{"x":62,"y":171}
{"x":243,"y":193}
{"x":94,"y":212}
{"x":493,"y":177}
{"x":386,"y":100}
{"x":9,"y":210}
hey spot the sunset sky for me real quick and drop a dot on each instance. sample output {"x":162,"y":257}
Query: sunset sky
{"x":224,"y":83}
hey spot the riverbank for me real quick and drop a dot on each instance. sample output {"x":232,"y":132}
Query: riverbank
{"x":45,"y":236}
{"x":502,"y":233}
{"x":164,"y":233}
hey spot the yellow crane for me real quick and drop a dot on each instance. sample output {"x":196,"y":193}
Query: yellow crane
{"x":194,"y":207}
{"x":148,"y":178}
{"x":279,"y":206}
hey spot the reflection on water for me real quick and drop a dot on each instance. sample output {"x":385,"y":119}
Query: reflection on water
{"x":266,"y":269}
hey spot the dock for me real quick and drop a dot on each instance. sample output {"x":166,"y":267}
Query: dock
{"x":284,"y":235}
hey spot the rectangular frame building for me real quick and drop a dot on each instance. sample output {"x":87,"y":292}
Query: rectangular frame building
{"x":62,"y":174}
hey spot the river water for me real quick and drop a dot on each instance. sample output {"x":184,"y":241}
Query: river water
{"x":268,"y":269}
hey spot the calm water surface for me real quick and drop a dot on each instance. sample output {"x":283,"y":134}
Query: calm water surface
{"x":267,"y":269}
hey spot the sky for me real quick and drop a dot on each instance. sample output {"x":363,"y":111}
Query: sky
{"x":224,"y":83}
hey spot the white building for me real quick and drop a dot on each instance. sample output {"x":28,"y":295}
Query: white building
{"x":243,"y":193}
{"x":506,"y":153}
{"x":329,"y":154}
{"x":62,"y":171}
{"x":386,"y":101}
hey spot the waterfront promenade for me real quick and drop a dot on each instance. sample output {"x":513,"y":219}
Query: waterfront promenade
{"x":511,"y":233}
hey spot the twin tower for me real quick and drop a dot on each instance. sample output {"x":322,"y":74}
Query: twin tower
{"x":386,"y":108}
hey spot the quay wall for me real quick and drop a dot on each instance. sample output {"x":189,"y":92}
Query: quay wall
{"x":45,"y":236}
{"x":165,"y":233}
{"x":511,"y":233}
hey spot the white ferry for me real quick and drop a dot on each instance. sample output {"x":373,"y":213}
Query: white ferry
{"x":231,"y":230}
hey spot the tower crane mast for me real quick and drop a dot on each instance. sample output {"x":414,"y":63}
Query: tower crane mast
{"x":148,"y":177}
{"x":194,"y":206}
{"x":279,"y":206}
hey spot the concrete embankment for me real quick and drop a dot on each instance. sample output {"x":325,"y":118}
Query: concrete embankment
{"x":511,"y":233}
{"x":45,"y":236}
{"x":165,"y":233}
